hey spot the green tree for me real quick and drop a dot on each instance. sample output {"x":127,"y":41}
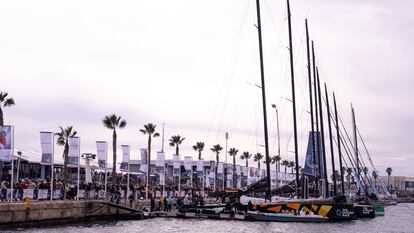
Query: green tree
{"x":63,"y":140}
{"x":291,"y":165}
{"x":257,"y":158}
{"x":4,"y":102}
{"x":176,"y":141}
{"x":199,"y":147}
{"x":336,"y":176}
{"x":149,"y":129}
{"x":233,"y":152}
{"x":389,"y":172}
{"x":216,"y":149}
{"x":113,"y":122}
{"x":246,"y":156}
{"x":276,"y":160}
{"x":285,"y":163}
{"x":375,"y":176}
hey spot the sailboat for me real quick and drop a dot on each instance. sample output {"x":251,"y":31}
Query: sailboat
{"x":301,"y":210}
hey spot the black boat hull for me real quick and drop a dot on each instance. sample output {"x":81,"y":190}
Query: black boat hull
{"x":334,"y":211}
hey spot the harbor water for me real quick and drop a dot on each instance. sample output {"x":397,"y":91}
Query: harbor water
{"x":397,"y":219}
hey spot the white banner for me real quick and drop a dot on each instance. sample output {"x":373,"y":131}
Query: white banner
{"x":238,"y":170}
{"x":6,"y":143}
{"x":46,"y":144}
{"x":176,"y":164}
{"x":28,"y":193}
{"x":102,"y":152}
{"x":125,"y":157}
{"x":42,"y":194}
{"x":245,"y":171}
{"x":162,"y":179}
{"x":200,"y":165}
{"x":160,"y":159}
{"x":187,"y":163}
{"x":176,"y":161}
{"x":220,"y":168}
{"x":144,"y":158}
{"x":74,"y":151}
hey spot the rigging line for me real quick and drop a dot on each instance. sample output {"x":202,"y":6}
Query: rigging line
{"x":352,"y":159}
{"x":240,"y":30}
{"x":272,"y":20}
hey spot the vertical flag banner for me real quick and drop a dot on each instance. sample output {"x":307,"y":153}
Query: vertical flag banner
{"x":200,"y":172}
{"x":245,"y":171}
{"x":212,"y":175}
{"x":176,"y":165}
{"x":200,"y":167}
{"x":220,"y":171}
{"x":125,"y":158}
{"x":46,"y":144}
{"x":6,"y":143}
{"x":187,"y":165}
{"x":74,"y":151}
{"x":159,"y":168}
{"x":144,"y":160}
{"x":102,"y":152}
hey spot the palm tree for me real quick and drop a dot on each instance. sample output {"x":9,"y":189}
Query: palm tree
{"x":63,"y":140}
{"x":257,"y":157}
{"x":233,"y":152}
{"x":112,"y":122}
{"x":149,"y":129}
{"x":276,"y":160}
{"x":375,"y":176}
{"x":285,"y":163}
{"x":199,"y":146}
{"x":335,"y":176}
{"x":176,"y":141}
{"x":246,"y":156}
{"x":348,"y":177}
{"x":291,"y":165}
{"x":216,"y":149}
{"x":389,"y":171}
{"x":5,"y":102}
{"x":365,"y":169}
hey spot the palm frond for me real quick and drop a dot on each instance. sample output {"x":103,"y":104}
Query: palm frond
{"x":9,"y":102}
{"x":143,"y":131}
{"x":156,"y":135}
{"x":122,"y":124}
{"x":3,"y":96}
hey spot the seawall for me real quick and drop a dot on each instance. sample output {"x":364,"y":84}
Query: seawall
{"x":67,"y":211}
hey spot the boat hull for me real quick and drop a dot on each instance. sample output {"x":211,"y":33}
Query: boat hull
{"x":364,"y":211}
{"x":333,"y":211}
{"x":273,"y":217}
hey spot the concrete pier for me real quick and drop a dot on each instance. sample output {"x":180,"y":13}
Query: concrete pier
{"x":12,"y":213}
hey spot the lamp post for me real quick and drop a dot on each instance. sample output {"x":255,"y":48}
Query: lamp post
{"x":225,"y":164}
{"x":278,"y":140}
{"x":19,"y":153}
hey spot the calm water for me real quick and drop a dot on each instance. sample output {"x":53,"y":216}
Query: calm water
{"x":398,"y":218}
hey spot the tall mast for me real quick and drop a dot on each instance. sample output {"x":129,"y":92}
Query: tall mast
{"x":259,"y":31}
{"x":322,"y":135}
{"x":318,"y":146}
{"x":310,"y":92}
{"x":355,"y":142}
{"x":293,"y":100}
{"x":330,"y":139}
{"x":338,"y":139}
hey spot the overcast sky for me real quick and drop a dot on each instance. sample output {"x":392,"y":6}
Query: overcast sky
{"x":194,"y":65}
